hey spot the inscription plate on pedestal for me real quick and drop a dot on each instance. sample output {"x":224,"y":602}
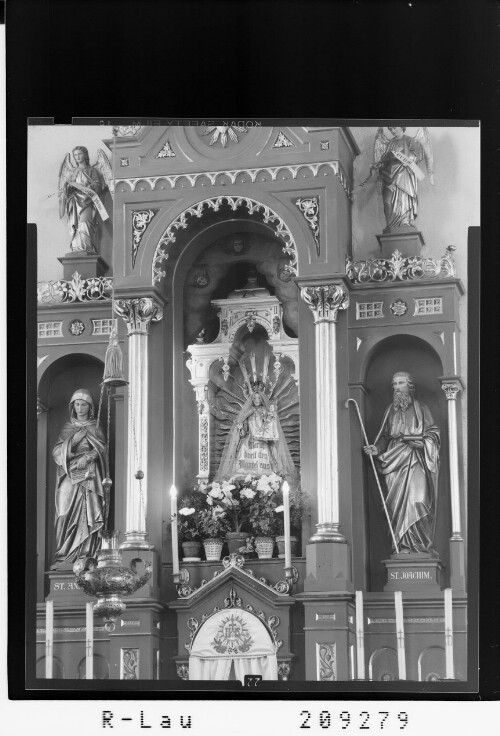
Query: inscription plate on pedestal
{"x":413,"y":572}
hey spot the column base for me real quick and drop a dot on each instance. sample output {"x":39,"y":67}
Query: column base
{"x":328,"y":532}
{"x":407,"y":240}
{"x":415,"y":571}
{"x":328,"y":567}
{"x":136,"y":540}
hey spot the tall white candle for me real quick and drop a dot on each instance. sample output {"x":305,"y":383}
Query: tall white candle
{"x":400,"y":634}
{"x":89,"y":646}
{"x":448,"y":628}
{"x":49,"y":638}
{"x":286,"y":512}
{"x":175,"y":538}
{"x":360,"y":635}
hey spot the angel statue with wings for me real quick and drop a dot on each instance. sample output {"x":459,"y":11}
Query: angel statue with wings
{"x":396,"y":161}
{"x":256,"y":444}
{"x":79,"y":201}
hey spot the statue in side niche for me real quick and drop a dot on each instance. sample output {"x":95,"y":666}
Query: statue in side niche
{"x":407,"y":455}
{"x":80,"y":454}
{"x":396,"y":162}
{"x":79,"y":201}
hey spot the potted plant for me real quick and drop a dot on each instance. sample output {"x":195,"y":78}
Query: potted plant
{"x":263,"y":518}
{"x":189,"y":532}
{"x":212,"y":523}
{"x":234,"y":496}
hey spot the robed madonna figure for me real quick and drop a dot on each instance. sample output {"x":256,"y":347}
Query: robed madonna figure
{"x":407,"y":455}
{"x":256,"y":444}
{"x":80,"y":454}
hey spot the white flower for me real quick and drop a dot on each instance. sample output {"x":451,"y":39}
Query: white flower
{"x":247,"y":493}
{"x":278,"y":509}
{"x":248,"y":479}
{"x":263,"y":484}
{"x":210,"y":500}
{"x":216,"y":492}
{"x":186,"y":512}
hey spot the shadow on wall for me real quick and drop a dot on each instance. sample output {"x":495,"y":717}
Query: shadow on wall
{"x":411,"y":354}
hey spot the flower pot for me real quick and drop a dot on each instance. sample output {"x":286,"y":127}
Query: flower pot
{"x":213,"y":549}
{"x":264,"y":547}
{"x":294,"y":545}
{"x":191,"y":551}
{"x":235,"y":540}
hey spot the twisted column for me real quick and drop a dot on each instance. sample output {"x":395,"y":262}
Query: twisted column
{"x":325,"y":302}
{"x":138,"y":314}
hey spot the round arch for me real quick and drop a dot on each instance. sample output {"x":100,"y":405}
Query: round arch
{"x":270,"y":217}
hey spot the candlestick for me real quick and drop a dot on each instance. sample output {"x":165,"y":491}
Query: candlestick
{"x":49,"y":638}
{"x":175,"y":540}
{"x":400,"y":634}
{"x":286,"y":513}
{"x":89,"y":635}
{"x":448,"y":628}
{"x":360,"y":635}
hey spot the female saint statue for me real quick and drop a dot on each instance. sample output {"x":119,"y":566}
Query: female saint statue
{"x":80,"y":454}
{"x":255,"y":444}
{"x":79,"y":187}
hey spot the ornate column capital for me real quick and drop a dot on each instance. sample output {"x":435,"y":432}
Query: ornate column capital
{"x":139,"y":313}
{"x":451,"y":387}
{"x":325,"y":301}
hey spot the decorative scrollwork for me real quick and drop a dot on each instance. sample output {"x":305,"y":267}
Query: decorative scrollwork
{"x":309,"y":206}
{"x":215,"y":203}
{"x":140,"y":222}
{"x":233,"y":560}
{"x":183,"y":671}
{"x":233,"y":600}
{"x":126,"y":131}
{"x":74,"y":290}
{"x":397,"y":268}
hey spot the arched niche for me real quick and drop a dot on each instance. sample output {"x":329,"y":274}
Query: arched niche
{"x":100,"y":667}
{"x":212,"y":265}
{"x":383,"y":665}
{"x":416,"y":356}
{"x":57,"y":668}
{"x":432,"y":664}
{"x":57,"y":384}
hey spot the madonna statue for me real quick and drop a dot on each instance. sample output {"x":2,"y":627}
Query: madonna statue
{"x":256,"y":444}
{"x":80,"y":454}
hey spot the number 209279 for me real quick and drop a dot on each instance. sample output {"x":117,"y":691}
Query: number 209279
{"x":363,"y":721}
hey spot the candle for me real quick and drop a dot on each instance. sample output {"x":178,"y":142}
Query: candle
{"x":175,"y":541}
{"x":360,"y":635}
{"x":448,"y":628}
{"x":89,"y":634}
{"x":286,"y":511}
{"x":400,"y":634}
{"x":49,"y":634}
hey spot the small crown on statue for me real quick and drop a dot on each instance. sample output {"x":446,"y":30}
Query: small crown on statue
{"x":258,"y":385}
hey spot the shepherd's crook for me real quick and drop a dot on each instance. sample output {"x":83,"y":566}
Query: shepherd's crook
{"x":374,"y":471}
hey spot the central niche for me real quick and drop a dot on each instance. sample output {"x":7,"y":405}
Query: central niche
{"x":241,"y":310}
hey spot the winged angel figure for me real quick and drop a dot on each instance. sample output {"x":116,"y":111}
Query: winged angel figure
{"x":79,"y":201}
{"x":396,"y":161}
{"x":258,"y":416}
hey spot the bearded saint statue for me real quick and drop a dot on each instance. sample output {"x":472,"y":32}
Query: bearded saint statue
{"x":407,"y":455}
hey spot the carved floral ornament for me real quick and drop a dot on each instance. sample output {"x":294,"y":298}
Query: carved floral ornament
{"x":398,"y":268}
{"x":139,"y":313}
{"x":309,"y":206}
{"x":215,"y":203}
{"x":325,"y":301}
{"x":451,"y":390}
